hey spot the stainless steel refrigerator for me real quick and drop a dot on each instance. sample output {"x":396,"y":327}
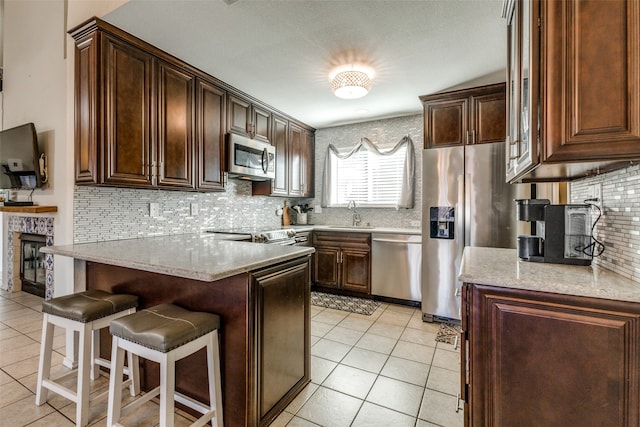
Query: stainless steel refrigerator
{"x":465,"y":202}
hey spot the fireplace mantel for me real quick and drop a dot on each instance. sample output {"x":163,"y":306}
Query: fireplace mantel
{"x":28,"y":209}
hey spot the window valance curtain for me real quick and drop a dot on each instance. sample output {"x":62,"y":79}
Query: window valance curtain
{"x":406,"y":198}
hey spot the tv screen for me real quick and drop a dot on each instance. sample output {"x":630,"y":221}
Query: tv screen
{"x":19,"y":158}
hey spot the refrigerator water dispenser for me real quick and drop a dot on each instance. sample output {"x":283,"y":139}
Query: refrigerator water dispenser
{"x":441,"y":222}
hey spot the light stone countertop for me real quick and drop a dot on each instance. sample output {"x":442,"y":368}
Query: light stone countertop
{"x":192,"y":256}
{"x":502,"y":267}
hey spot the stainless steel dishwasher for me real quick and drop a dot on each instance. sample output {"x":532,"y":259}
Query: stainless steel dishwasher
{"x":396,"y":266}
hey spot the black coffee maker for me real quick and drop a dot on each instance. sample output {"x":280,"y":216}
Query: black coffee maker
{"x":561,"y":234}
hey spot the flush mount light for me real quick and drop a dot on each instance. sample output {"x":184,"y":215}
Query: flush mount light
{"x":351,"y":84}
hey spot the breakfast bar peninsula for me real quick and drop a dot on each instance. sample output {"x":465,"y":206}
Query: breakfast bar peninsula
{"x":261,"y":292}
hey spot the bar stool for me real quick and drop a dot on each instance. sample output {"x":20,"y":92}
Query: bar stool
{"x":85,"y":313}
{"x":165,"y":334}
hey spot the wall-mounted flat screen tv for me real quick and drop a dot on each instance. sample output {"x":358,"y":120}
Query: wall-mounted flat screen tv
{"x":19,"y":158}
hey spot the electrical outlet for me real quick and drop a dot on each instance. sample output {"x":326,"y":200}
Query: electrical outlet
{"x":415,"y":223}
{"x":154,"y":210}
{"x":317,"y":209}
{"x":595,"y":192}
{"x":194,"y":209}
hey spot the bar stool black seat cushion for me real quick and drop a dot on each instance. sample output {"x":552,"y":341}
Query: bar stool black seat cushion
{"x":89,"y":306}
{"x":164,"y":327}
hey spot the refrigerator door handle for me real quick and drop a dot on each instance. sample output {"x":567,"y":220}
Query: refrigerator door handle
{"x":462,"y":212}
{"x":467,"y":209}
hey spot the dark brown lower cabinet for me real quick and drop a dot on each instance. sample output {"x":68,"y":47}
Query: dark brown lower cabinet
{"x":547,"y":360}
{"x":342,"y":262}
{"x":265,"y":333}
{"x":282,"y":323}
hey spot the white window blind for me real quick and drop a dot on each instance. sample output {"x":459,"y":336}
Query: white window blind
{"x":368,"y":178}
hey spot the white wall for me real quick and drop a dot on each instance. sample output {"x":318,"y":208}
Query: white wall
{"x":38,"y":88}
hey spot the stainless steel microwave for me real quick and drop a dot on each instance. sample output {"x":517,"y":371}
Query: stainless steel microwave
{"x":250,"y":159}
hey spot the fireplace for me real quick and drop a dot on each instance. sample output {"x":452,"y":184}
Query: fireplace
{"x":23,"y":226}
{"x":32,"y":264}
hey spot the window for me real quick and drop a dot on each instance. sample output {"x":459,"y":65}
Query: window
{"x":371,"y":177}
{"x":367,"y":177}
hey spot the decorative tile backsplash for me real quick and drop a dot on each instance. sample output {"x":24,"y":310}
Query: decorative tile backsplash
{"x":387,"y":132}
{"x":619,"y":227}
{"x":102,"y":213}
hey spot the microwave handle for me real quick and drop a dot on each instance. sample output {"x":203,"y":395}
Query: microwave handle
{"x":265,"y":156}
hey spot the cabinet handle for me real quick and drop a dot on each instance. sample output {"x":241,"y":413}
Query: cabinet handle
{"x":467,"y":138}
{"x":456,"y":342}
{"x":458,"y":403}
{"x":473,"y":136}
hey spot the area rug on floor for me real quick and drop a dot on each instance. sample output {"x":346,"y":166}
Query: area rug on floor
{"x":344,"y":303}
{"x":448,"y":333}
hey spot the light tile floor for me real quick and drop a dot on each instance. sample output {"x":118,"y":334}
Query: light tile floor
{"x":379,"y":370}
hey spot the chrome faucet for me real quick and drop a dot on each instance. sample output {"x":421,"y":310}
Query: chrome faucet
{"x":356,"y":219}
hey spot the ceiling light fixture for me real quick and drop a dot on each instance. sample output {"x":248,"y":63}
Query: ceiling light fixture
{"x":351,"y":84}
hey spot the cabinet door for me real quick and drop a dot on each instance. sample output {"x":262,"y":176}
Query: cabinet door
{"x":523,"y":78}
{"x":488,"y":118}
{"x":592,"y":80}
{"x":446,"y":122}
{"x":552,"y":360}
{"x":307,"y":163}
{"x":280,"y":135}
{"x":283,"y":322}
{"x":325,"y":266}
{"x":356,"y":268}
{"x":175,"y":127}
{"x":295,"y":160}
{"x":127,"y":114}
{"x":210,"y":123}
{"x":87,"y":132}
{"x":261,"y":124}
{"x":239,"y":119}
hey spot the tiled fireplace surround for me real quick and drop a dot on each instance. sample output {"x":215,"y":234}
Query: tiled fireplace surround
{"x":33,"y":225}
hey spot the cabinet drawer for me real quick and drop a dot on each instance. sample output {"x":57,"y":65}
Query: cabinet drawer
{"x":344,"y":239}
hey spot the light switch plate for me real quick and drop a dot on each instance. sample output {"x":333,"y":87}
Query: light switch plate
{"x":154,"y":210}
{"x":194,"y":209}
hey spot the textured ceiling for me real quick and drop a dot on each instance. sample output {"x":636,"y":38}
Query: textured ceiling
{"x":282,"y":52}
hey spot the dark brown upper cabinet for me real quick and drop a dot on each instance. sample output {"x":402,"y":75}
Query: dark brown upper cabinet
{"x":279,"y":139}
{"x":573,"y":75}
{"x":136,"y":116}
{"x":308,"y":162}
{"x":469,"y":116}
{"x":210,"y":125}
{"x":128,"y":150}
{"x":146,"y":119}
{"x":295,"y":154}
{"x":175,"y":140}
{"x":249,"y":119}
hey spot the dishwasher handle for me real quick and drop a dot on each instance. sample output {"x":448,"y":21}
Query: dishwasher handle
{"x":404,"y":242}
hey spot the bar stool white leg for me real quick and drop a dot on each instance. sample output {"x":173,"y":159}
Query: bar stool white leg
{"x":115,"y":384}
{"x":95,"y":353}
{"x":167,"y":388}
{"x":133,"y":373}
{"x":215,"y":384}
{"x":44,"y":366}
{"x":84,"y":363}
